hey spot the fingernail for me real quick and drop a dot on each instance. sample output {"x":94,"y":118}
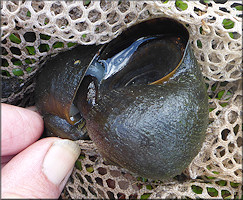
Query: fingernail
{"x":60,"y":159}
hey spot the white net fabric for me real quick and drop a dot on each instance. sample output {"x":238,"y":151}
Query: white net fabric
{"x":33,"y":30}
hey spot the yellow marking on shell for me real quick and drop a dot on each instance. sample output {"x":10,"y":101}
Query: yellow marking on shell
{"x":167,"y":77}
{"x":77,"y":62}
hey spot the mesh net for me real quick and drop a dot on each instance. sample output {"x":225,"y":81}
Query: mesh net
{"x":33,"y":30}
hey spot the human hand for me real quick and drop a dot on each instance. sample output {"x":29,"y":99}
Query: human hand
{"x":31,"y":168}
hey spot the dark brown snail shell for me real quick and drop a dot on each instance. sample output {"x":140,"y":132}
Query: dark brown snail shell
{"x":148,"y":111}
{"x":57,"y":85}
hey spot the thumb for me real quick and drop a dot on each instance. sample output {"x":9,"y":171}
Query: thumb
{"x":41,"y":170}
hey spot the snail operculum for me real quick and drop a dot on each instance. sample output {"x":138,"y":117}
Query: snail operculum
{"x":147,"y":60}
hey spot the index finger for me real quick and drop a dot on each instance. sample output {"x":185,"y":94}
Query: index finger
{"x":20,"y":128}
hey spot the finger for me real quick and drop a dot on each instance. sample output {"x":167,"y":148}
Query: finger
{"x":5,"y":160}
{"x":20,"y":128}
{"x":41,"y":170}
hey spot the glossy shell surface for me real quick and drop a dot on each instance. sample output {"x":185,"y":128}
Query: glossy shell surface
{"x":149,"y":111}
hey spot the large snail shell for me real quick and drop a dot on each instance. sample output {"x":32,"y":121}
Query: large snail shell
{"x":154,"y":131}
{"x":150,"y":110}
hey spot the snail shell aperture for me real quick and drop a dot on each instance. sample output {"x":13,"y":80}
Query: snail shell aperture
{"x":142,"y":96}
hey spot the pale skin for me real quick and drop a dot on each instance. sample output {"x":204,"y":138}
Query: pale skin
{"x":22,"y":156}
